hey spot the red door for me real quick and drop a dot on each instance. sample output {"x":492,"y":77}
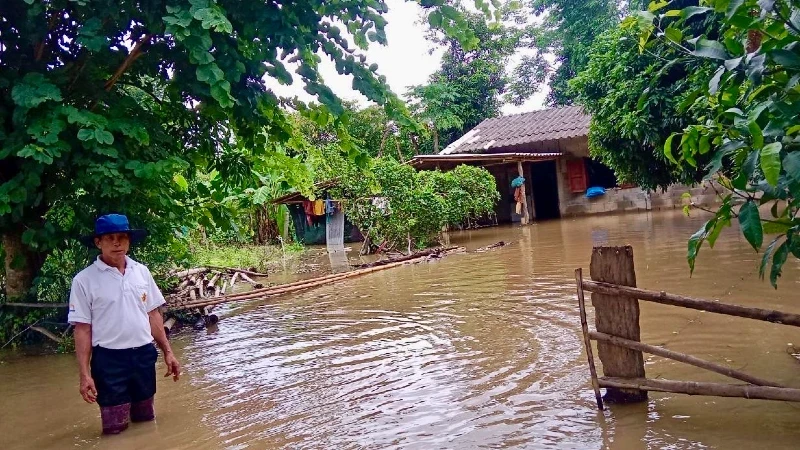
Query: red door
{"x":576,"y":174}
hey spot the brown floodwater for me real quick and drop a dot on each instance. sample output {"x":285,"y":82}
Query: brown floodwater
{"x":477,"y":350}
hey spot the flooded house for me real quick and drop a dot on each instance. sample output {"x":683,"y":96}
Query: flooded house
{"x":550,"y":149}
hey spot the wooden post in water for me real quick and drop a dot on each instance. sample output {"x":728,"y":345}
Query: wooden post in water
{"x":617,"y":316}
{"x":525,"y":217}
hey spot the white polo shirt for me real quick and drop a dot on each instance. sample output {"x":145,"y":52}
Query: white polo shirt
{"x":115,"y":305}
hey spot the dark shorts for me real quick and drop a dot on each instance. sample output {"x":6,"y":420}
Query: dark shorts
{"x":124,"y":376}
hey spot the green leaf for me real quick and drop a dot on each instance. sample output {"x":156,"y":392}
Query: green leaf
{"x":755,"y":132}
{"x":668,"y":148}
{"x":733,"y":6}
{"x":704,"y":145}
{"x":103,"y":137}
{"x":695,"y":242}
{"x":777,"y":264}
{"x":222,"y":94}
{"x":777,"y":226}
{"x":771,"y":162}
{"x":107,"y":151}
{"x":656,"y":5}
{"x":710,"y":49}
{"x":85,"y":134}
{"x":673,"y":34}
{"x":33,"y":90}
{"x":731,"y":64}
{"x":791,"y":164}
{"x":762,"y":269}
{"x":692,"y":11}
{"x":209,"y":73}
{"x":785,"y":58}
{"x":722,"y":221}
{"x":181,"y":182}
{"x":750,"y":222}
{"x":713,"y":85}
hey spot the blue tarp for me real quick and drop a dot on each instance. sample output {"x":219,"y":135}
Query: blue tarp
{"x":595,"y":192}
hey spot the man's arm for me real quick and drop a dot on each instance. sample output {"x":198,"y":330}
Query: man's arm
{"x":160,"y":336}
{"x":83,"y":349}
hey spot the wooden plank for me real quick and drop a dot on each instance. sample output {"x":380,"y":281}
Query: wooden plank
{"x":617,"y":316}
{"x":703,"y":388}
{"x":681,"y":357}
{"x":766,"y":315}
{"x":586,"y":341}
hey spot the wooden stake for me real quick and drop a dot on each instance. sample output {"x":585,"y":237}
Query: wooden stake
{"x":586,"y":341}
{"x":617,"y":316}
{"x":691,"y":360}
{"x":701,"y":388}
{"x":766,"y":315}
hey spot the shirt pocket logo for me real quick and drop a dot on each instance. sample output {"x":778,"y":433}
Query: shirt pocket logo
{"x":140,"y":291}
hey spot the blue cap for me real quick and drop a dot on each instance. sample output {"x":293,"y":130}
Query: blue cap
{"x":113,"y":223}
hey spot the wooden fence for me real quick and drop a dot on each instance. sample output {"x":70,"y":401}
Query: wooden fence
{"x":615,"y":298}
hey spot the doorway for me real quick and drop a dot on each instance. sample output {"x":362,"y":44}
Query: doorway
{"x":544,"y":185}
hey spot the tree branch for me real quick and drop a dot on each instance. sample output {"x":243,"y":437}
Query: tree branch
{"x":132,"y":56}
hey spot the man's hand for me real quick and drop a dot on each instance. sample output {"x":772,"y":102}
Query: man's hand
{"x":88,"y":391}
{"x":173,"y":366}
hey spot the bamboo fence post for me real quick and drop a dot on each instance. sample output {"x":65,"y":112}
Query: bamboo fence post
{"x":617,"y":316}
{"x":587,"y":342}
{"x":703,"y":388}
{"x":681,"y":357}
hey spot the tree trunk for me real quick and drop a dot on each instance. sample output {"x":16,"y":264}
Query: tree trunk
{"x":266,"y":227}
{"x":617,"y":316}
{"x":21,"y":265}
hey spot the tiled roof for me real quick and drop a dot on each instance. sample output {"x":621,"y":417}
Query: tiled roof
{"x":517,"y":131}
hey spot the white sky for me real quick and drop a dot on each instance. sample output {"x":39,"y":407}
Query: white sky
{"x":405,"y":61}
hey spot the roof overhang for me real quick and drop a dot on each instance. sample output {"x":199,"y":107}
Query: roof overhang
{"x":424,"y":162}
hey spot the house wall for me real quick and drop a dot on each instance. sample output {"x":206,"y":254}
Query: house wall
{"x":628,"y":199}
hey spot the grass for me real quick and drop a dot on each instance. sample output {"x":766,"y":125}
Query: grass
{"x":242,"y":255}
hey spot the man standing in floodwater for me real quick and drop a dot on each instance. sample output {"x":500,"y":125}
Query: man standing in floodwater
{"x":113,"y":305}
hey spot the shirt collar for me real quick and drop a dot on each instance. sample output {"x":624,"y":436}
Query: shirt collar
{"x":103,"y":266}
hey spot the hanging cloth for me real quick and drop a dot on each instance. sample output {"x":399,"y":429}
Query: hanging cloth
{"x":308,"y":208}
{"x":319,"y":207}
{"x":330,"y":207}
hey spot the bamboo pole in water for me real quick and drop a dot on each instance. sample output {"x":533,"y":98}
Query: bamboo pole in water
{"x":293,"y":287}
{"x":681,"y":357}
{"x":766,"y":315}
{"x":587,"y":342}
{"x":703,"y":388}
